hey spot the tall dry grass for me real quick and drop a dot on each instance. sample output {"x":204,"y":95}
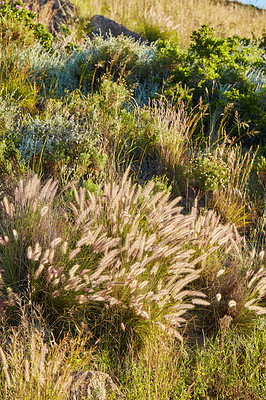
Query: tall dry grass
{"x":36,"y":367}
{"x":181,"y":17}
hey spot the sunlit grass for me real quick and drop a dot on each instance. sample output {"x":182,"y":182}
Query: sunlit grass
{"x":179,"y":16}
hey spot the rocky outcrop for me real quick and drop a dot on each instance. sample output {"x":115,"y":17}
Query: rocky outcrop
{"x":94,"y":385}
{"x":100,"y":25}
{"x":53,"y":13}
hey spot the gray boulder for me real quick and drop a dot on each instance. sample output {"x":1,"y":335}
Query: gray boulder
{"x":100,"y":25}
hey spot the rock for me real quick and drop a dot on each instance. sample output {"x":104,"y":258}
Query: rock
{"x":53,"y":13}
{"x":100,"y":25}
{"x":94,"y":385}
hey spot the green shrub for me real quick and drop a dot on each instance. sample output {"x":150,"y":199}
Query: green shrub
{"x":9,"y":158}
{"x":261,"y":171}
{"x":17,"y":25}
{"x":207,"y":173}
{"x":62,"y":138}
{"x":83,"y":67}
{"x":220,"y":71}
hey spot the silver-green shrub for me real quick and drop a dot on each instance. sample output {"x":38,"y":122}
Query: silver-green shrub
{"x":63,"y":71}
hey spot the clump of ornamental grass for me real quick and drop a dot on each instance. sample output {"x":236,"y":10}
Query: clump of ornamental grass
{"x":33,"y":366}
{"x":232,"y":200}
{"x":122,"y":262}
{"x":132,"y":261}
{"x":164,"y":133}
{"x":25,"y":219}
{"x":233,"y":281}
{"x":122,"y":268}
{"x":221,"y":170}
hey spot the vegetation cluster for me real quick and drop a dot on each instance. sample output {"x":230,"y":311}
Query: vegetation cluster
{"x":132,"y":222}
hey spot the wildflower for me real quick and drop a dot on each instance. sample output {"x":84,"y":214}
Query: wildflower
{"x":18,"y":7}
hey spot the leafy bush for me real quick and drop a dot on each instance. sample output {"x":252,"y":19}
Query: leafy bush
{"x":17,"y":25}
{"x":218,"y":70}
{"x":9,"y":158}
{"x":207,"y":172}
{"x":58,"y":141}
{"x":261,"y":171}
{"x":62,"y":138}
{"x":84,"y":66}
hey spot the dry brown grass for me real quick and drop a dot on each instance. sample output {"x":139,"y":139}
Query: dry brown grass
{"x":180,"y":16}
{"x":35,"y":366}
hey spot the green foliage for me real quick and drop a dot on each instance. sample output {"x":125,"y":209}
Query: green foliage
{"x":228,"y":366}
{"x":62,"y":139}
{"x":261,"y":171}
{"x":162,"y":184}
{"x":17,"y":86}
{"x":41,"y":33}
{"x":9,"y":158}
{"x":219,"y":365}
{"x":251,"y":106}
{"x":117,"y":57}
{"x":13,"y":17}
{"x":207,"y":172}
{"x":218,"y":71}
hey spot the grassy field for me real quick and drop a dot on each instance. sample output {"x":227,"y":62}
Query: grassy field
{"x":179,"y":18}
{"x":133,"y":203}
